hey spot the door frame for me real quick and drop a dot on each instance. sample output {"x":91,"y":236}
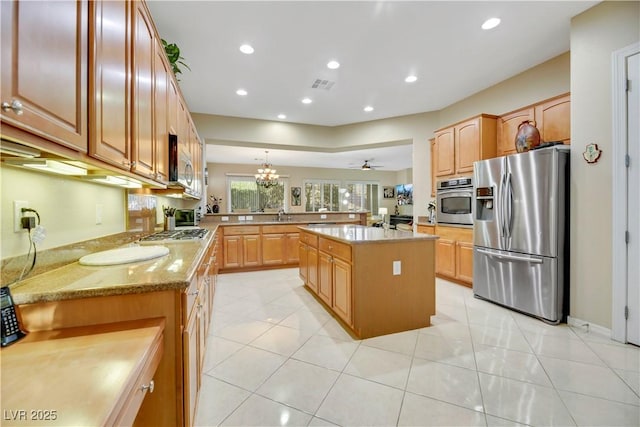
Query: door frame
{"x":619,"y":277}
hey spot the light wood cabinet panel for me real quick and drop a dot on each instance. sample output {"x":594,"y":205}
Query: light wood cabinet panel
{"x":303,"y":264}
{"x":273,"y":249}
{"x":426,"y":229}
{"x":190,"y":343}
{"x":445,"y":149}
{"x":313,"y":273}
{"x":172,"y":105}
{"x":446,"y":257}
{"x":161,"y":98}
{"x":553,"y":119}
{"x":508,"y":129}
{"x":291,"y":241}
{"x":44,"y":67}
{"x":232,"y":251}
{"x":342,"y":290}
{"x":325,"y":277}
{"x":143,"y":159}
{"x":467,"y":145}
{"x":251,"y":251}
{"x":110,"y":111}
{"x":464,"y":261}
{"x":432,"y":150}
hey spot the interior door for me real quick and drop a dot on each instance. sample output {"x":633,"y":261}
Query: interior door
{"x":633,"y":195}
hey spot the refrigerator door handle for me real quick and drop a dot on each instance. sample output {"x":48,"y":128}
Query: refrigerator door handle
{"x":501,"y":206}
{"x":508,"y":206}
{"x":531,"y":260}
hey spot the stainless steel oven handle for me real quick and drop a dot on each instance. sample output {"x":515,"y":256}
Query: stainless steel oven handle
{"x":511,"y":257}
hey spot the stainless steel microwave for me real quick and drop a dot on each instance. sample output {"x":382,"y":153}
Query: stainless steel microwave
{"x":454,"y":201}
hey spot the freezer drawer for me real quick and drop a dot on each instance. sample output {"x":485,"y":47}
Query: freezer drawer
{"x":527,"y":283}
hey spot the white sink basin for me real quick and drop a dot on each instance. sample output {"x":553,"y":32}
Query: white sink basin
{"x":124,"y":255}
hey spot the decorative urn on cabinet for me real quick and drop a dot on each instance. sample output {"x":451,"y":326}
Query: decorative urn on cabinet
{"x":528,"y":136}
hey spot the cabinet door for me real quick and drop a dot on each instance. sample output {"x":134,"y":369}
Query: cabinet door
{"x":291,"y":241}
{"x":303,"y":265}
{"x":202,"y":305}
{"x":232,"y":251}
{"x":190,"y":357}
{"x":251,"y":251}
{"x":508,"y":129}
{"x":464,"y":261}
{"x":342,"y":290}
{"x":273,"y":249}
{"x":467,"y":145}
{"x":44,"y":67}
{"x":325,"y":277}
{"x":142,"y":143}
{"x":444,"y":148}
{"x":446,"y":257}
{"x":313,"y":276}
{"x":432,"y":148}
{"x":109,"y":115}
{"x":161,"y":102}
{"x":553,"y":119}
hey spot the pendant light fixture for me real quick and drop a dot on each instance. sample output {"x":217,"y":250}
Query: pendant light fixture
{"x":266,"y":176}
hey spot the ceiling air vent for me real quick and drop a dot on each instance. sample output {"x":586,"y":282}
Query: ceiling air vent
{"x":322,"y":84}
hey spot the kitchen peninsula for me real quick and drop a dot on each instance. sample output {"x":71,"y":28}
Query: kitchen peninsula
{"x":375,"y":281}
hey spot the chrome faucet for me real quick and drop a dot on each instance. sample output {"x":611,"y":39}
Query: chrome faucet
{"x":280,"y":214}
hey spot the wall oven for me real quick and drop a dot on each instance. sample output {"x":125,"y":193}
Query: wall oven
{"x":454,"y":201}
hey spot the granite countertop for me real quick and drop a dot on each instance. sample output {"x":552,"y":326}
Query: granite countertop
{"x":73,"y":280}
{"x":358,"y":234}
{"x":293,"y":222}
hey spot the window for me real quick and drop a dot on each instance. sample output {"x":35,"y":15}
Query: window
{"x":361,"y":196}
{"x":244,"y":193}
{"x":321,"y":195}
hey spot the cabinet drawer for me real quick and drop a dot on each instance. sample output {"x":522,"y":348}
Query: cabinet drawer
{"x":309,"y":239}
{"x":337,"y":249}
{"x":241,"y":229}
{"x":278,"y":229}
{"x":142,"y":385}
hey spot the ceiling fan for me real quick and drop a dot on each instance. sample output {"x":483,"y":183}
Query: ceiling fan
{"x":367,"y":166}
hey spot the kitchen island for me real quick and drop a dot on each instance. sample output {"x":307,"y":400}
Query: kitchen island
{"x":375,"y":281}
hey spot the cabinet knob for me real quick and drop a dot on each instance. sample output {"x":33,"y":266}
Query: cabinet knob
{"x":15,"y":106}
{"x":151,"y":386}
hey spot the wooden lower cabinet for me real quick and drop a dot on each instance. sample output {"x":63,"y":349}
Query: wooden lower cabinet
{"x":355,"y":282}
{"x":342,"y":290}
{"x":251,"y":252}
{"x":190,"y":350}
{"x":454,"y":254}
{"x":426,"y":229}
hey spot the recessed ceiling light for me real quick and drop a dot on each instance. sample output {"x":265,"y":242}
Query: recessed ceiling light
{"x":282,"y":116}
{"x":306,"y":100}
{"x":241,"y":92}
{"x":333,"y":65}
{"x":491,"y":23}
{"x":368,"y":108}
{"x":246,"y":49}
{"x":411,"y":79}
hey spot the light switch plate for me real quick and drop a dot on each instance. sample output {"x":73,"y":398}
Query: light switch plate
{"x":241,"y":218}
{"x":323,"y":216}
{"x":352,"y":216}
{"x":397,"y":268}
{"x":249,"y":217}
{"x":224,"y":218}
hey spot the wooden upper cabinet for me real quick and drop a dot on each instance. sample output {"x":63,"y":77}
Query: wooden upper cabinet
{"x":44,"y":69}
{"x":143,"y":144}
{"x":444,"y":148}
{"x":109,"y":113}
{"x":162,"y":106}
{"x":458,"y":146}
{"x":553,"y":119}
{"x":432,"y":148}
{"x":508,"y":129}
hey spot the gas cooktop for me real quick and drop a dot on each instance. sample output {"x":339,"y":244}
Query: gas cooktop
{"x":176,"y":235}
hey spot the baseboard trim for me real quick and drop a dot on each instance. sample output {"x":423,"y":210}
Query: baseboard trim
{"x":588,"y":326}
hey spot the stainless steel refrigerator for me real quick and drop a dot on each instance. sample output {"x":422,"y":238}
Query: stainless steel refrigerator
{"x":521,"y":244}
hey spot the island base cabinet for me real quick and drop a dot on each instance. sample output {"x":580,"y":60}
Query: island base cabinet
{"x":355,"y":282}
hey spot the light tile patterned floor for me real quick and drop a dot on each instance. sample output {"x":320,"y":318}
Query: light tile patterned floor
{"x":275,"y":357}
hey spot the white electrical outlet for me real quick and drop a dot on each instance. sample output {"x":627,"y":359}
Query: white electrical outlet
{"x":352,"y":216}
{"x":323,"y":216}
{"x":17,"y":214}
{"x":98,"y":213}
{"x":397,"y":268}
{"x":224,"y":219}
{"x":241,"y":218}
{"x":249,"y":217}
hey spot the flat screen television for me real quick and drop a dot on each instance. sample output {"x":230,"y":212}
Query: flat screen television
{"x":404,"y":194}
